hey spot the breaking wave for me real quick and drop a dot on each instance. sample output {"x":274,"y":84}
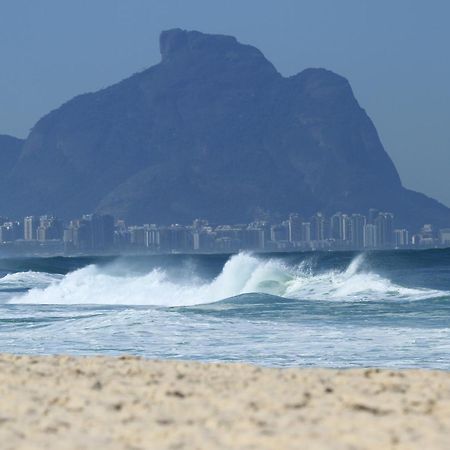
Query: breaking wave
{"x":28,"y":280}
{"x":241,"y":274}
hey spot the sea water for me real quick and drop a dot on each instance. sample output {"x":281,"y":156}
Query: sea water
{"x":331,"y":309}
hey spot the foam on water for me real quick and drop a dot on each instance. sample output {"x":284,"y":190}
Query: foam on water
{"x":242,"y":273}
{"x":28,"y":280}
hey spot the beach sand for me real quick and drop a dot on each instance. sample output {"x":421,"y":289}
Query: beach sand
{"x":130,"y":403}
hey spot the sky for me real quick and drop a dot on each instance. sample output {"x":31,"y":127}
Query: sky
{"x":394,"y":53}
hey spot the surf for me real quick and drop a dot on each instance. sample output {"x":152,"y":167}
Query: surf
{"x":241,"y":274}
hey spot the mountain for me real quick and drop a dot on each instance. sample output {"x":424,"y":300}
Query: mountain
{"x":212,"y":131}
{"x":10,"y":148}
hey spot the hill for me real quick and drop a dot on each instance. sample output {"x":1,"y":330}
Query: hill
{"x":212,"y":131}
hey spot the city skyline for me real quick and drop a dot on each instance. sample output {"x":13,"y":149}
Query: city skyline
{"x":95,"y":233}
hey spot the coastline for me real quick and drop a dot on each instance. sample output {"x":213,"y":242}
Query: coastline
{"x":5,"y":254}
{"x":62,"y":402}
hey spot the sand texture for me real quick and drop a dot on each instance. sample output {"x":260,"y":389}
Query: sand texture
{"x":130,"y":403}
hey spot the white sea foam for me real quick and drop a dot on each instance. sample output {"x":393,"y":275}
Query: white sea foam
{"x":28,"y":280}
{"x":243,"y":273}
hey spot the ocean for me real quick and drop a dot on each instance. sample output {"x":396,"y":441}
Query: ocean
{"x":331,"y":309}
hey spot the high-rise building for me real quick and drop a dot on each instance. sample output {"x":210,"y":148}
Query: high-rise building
{"x":68,"y":237}
{"x":138,"y":236}
{"x":101,"y":230}
{"x":385,"y":229}
{"x":29,"y":228}
{"x":153,"y":240}
{"x":444,"y":236}
{"x":426,"y":235}
{"x":306,"y":232}
{"x":295,"y":228}
{"x":347,"y":225}
{"x":92,"y":232}
{"x":180,"y":238}
{"x":336,"y":231}
{"x":401,"y":238}
{"x":427,"y":231}
{"x":49,"y":229}
{"x":83,"y":235}
{"x":318,"y":231}
{"x":340,"y":227}
{"x":370,"y":236}
{"x":9,"y":232}
{"x":357,"y":224}
{"x":41,"y":234}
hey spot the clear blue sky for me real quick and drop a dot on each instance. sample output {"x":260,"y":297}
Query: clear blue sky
{"x":394,"y":53}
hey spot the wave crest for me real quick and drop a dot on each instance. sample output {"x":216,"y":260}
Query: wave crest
{"x":242,"y":274}
{"x":28,"y":280}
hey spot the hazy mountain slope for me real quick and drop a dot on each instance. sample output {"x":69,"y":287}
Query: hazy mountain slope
{"x":212,"y":131}
{"x":10,"y":148}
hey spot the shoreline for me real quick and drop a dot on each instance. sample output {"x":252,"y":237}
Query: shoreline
{"x":261,"y":252}
{"x":65,"y":402}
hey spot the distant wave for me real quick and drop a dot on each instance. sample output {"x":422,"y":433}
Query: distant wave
{"x":28,"y":280}
{"x":242,"y":273}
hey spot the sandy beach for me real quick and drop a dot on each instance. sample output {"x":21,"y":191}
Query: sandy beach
{"x":62,"y":402}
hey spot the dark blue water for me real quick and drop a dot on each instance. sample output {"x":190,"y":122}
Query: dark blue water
{"x":386,"y":309}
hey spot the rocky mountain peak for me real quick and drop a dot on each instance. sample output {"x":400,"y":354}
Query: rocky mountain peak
{"x":177,"y":41}
{"x":179,"y":46}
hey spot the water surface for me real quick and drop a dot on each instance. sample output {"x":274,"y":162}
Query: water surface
{"x":338,"y":309}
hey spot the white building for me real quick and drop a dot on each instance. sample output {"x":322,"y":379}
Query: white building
{"x":444,"y":236}
{"x":29,"y":228}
